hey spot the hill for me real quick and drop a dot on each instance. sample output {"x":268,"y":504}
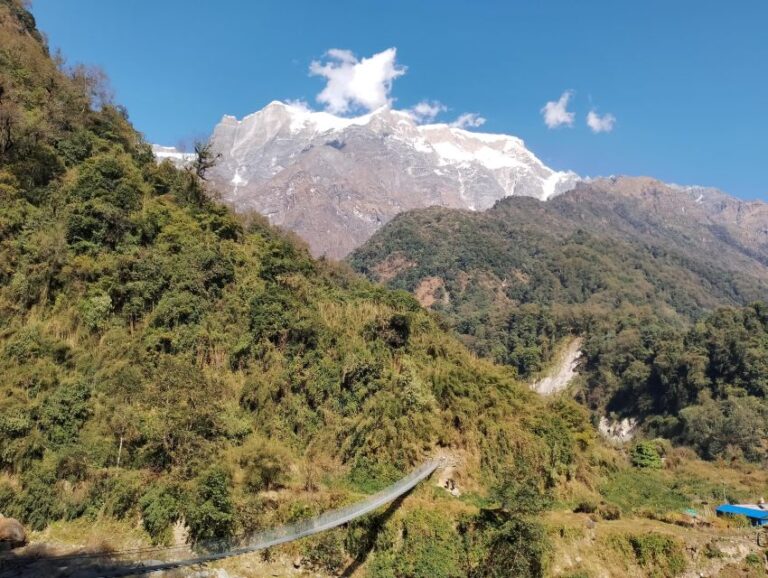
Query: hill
{"x":167,"y":362}
{"x":632,"y":264}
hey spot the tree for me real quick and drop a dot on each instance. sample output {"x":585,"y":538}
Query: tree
{"x":520,"y":491}
{"x":211,"y":515}
{"x":95,"y":85}
{"x":9,"y":117}
{"x":205,"y":158}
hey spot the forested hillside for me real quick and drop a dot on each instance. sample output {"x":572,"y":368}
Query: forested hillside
{"x":163,"y":360}
{"x":706,"y":386}
{"x":623,"y":268}
{"x":172,"y":371}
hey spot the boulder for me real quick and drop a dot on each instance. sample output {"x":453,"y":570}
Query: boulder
{"x":12,"y":532}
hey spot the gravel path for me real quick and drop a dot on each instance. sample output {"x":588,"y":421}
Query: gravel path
{"x":561,"y":375}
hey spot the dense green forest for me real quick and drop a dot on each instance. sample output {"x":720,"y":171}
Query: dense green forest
{"x":163,"y":359}
{"x":705,"y":386}
{"x":516,"y":280}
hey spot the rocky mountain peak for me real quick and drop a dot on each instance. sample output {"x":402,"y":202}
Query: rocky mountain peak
{"x":335,"y":180}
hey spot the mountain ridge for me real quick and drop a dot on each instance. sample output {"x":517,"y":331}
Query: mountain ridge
{"x":605,"y":246}
{"x":336,"y":180}
{"x":172,"y":368}
{"x":168,"y":363}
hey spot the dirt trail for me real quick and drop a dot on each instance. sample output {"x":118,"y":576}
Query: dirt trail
{"x":563,"y":372}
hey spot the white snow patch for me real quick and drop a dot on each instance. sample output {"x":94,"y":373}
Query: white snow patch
{"x":457,"y":149}
{"x":172,"y":153}
{"x":238,"y":180}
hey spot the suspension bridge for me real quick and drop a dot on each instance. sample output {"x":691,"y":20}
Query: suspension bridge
{"x":104,"y":566}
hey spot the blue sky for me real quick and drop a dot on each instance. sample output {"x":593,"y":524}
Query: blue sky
{"x":687,"y":81}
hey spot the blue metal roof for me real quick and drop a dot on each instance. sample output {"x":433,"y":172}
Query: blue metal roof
{"x":749,"y":511}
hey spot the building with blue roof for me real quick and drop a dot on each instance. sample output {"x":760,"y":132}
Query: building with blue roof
{"x":757,"y":514}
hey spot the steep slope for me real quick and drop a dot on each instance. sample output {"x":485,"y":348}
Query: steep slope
{"x":604,"y":243}
{"x":699,"y":222}
{"x":170,"y":368}
{"x":335,"y":181}
{"x":167,"y":363}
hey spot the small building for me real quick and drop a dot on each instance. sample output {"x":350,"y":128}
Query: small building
{"x":757,"y":514}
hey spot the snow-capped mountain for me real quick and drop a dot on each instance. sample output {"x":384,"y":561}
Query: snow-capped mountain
{"x":172,"y":154}
{"x":336,"y":180}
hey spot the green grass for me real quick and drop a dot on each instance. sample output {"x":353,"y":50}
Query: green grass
{"x":636,"y":490}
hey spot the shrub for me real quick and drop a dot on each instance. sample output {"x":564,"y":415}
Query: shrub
{"x":369,"y":475}
{"x":77,"y":147}
{"x":176,"y":309}
{"x":609,"y":512}
{"x":658,"y":552}
{"x":394,"y":331}
{"x":124,"y":495}
{"x":498,"y":545}
{"x":585,"y":507}
{"x":160,"y":509}
{"x":7,"y":495}
{"x":520,"y":491}
{"x":645,"y":455}
{"x":326,"y":553}
{"x":95,"y":311}
{"x":38,"y":504}
{"x":251,"y":513}
{"x":428,"y":548}
{"x":72,"y":464}
{"x":111,"y":178}
{"x":265,"y":464}
{"x":211,"y":513}
{"x":63,"y":412}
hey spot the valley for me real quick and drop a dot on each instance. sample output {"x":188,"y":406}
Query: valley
{"x":370,"y":345}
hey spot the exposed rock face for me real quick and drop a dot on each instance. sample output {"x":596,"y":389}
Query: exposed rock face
{"x":618,"y":431}
{"x":430,"y":291}
{"x":335,"y":181}
{"x":698,"y":220}
{"x":561,"y":375}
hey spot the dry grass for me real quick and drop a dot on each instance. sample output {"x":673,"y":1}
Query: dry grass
{"x":101,"y":535}
{"x":591,"y":548}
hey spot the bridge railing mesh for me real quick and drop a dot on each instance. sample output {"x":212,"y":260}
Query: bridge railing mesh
{"x":343,"y":515}
{"x":289,"y":532}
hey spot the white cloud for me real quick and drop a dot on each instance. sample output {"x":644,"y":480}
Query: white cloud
{"x":356,"y":83}
{"x":556,"y":112}
{"x":600,"y":123}
{"x":426,"y":110}
{"x":299,"y":103}
{"x":468,"y":120}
